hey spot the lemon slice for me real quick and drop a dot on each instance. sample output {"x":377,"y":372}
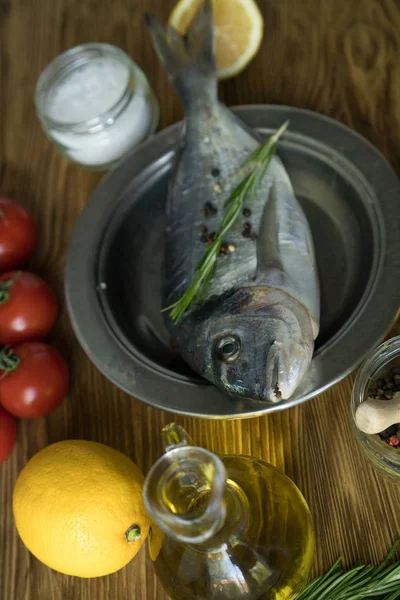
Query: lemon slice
{"x":238,"y":31}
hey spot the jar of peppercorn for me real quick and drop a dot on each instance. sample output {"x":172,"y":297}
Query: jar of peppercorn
{"x":379,"y":378}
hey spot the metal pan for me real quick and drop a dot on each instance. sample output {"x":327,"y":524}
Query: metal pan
{"x":113,"y":276}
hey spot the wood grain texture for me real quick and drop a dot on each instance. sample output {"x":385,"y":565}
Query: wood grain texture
{"x":338,"y":57}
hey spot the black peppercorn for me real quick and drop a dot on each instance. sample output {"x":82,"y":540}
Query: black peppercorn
{"x":210,"y":208}
{"x":382,"y":389}
{"x":388,"y":432}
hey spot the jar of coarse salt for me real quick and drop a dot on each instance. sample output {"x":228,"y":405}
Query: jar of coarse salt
{"x":95,"y":104}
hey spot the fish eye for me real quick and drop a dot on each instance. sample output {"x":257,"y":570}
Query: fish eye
{"x":228,"y":348}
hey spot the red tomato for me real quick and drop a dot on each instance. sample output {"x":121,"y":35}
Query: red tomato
{"x":28,"y":308}
{"x":33,"y":381}
{"x":8,"y":434}
{"x":18,"y":234}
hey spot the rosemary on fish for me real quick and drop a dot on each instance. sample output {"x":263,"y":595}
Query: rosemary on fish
{"x":259,"y":160}
{"x":365,"y":582}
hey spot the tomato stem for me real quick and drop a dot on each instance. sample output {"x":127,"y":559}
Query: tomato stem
{"x":8,"y":360}
{"x":5,"y":287}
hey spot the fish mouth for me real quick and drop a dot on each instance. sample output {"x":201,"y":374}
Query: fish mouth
{"x":273,"y":391}
{"x":277,"y":392}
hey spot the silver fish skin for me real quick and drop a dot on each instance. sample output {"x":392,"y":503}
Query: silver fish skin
{"x":252,"y":333}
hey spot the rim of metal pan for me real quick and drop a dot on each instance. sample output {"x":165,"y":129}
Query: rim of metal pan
{"x":335,"y":360}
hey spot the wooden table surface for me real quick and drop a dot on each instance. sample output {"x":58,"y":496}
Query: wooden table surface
{"x":338,"y":57}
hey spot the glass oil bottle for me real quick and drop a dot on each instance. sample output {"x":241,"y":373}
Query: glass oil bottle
{"x":225,"y":528}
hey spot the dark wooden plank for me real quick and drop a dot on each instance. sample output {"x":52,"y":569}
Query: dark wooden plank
{"x":338,"y":57}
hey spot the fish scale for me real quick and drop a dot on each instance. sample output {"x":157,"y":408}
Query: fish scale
{"x":185,"y":217}
{"x":252,"y":331}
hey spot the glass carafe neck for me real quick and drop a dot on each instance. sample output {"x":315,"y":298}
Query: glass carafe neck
{"x":184,"y":490}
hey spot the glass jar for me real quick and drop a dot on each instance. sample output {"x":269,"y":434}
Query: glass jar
{"x":384,"y":358}
{"x":95,"y":104}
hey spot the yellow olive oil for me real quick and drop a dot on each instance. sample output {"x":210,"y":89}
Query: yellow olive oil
{"x":263,"y":545}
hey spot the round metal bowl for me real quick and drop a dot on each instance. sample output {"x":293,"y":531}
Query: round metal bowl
{"x":114,"y":268}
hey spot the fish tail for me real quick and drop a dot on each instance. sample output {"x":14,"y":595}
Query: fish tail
{"x":188,"y":59}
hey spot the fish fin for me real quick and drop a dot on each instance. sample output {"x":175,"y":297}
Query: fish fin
{"x":237,"y":121}
{"x":268,"y":256}
{"x":188,"y":59}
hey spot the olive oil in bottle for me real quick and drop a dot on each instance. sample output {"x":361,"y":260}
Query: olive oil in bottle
{"x":229,"y":528}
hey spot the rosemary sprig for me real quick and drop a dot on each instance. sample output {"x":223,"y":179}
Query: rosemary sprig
{"x":259,"y":161}
{"x":360,"y":583}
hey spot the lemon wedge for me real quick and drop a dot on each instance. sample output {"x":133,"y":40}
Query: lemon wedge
{"x":238,"y":28}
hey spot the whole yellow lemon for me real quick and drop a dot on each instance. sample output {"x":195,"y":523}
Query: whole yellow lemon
{"x":78,"y":508}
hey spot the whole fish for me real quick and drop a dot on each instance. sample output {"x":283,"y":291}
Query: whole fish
{"x":252,"y":332}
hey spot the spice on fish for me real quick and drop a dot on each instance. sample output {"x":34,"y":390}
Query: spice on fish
{"x":208,"y":209}
{"x":215,"y":172}
{"x":211,"y":208}
{"x":246,"y":212}
{"x":224,"y":248}
{"x":227,"y":247}
{"x":203,"y":229}
{"x":260,"y":160}
{"x":217,"y":188}
{"x":384,"y":388}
